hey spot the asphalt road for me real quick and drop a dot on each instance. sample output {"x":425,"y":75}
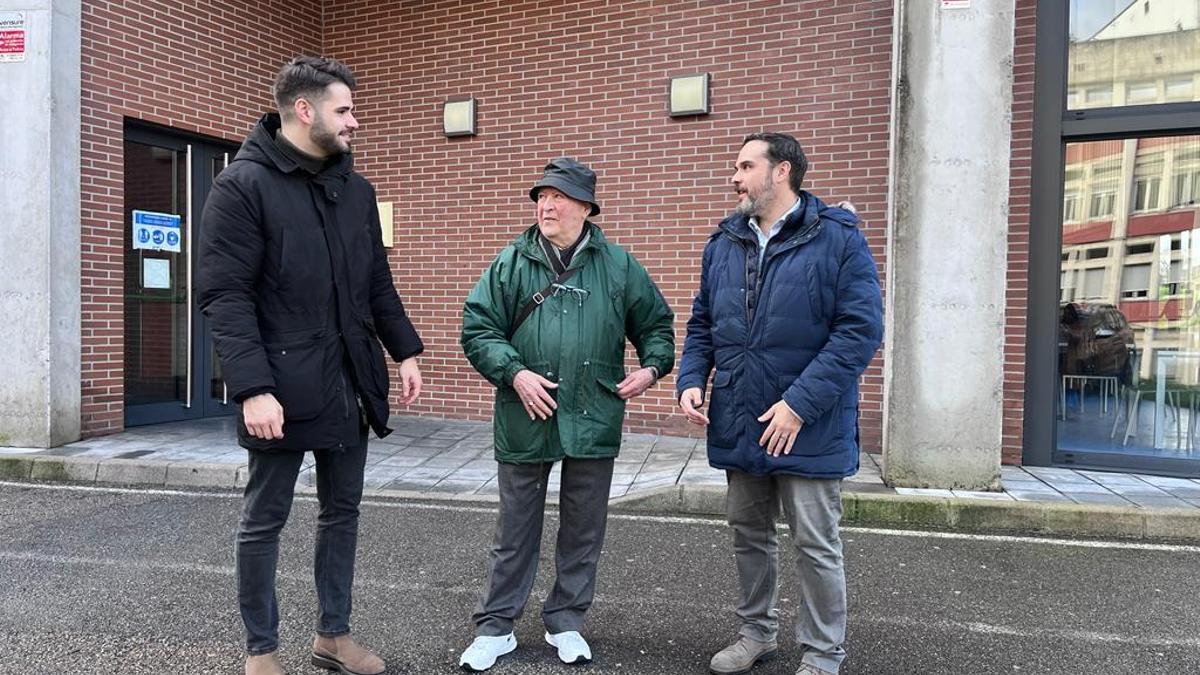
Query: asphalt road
{"x":140,"y":581}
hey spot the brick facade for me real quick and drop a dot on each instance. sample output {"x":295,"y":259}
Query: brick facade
{"x":1017,"y":300}
{"x":587,"y":79}
{"x":203,"y":69}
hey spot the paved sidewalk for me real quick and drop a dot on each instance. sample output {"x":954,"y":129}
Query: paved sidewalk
{"x":452,"y":459}
{"x":436,"y":456}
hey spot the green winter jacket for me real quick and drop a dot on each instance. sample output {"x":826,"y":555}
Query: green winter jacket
{"x":575,"y":338}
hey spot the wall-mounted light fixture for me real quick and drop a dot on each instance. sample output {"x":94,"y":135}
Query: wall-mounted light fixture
{"x":689,"y":95}
{"x":458,"y":116}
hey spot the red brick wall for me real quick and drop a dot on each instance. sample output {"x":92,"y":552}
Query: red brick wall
{"x":1018,"y":232}
{"x":582,"y":78}
{"x":203,"y":68}
{"x":589,"y":79}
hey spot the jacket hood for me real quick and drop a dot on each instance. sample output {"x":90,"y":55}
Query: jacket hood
{"x":260,"y":147}
{"x":810,"y":214}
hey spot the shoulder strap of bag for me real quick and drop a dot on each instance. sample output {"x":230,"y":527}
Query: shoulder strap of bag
{"x":538,"y":298}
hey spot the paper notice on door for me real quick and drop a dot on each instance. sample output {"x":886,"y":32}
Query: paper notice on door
{"x":156,"y":273}
{"x":12,"y":36}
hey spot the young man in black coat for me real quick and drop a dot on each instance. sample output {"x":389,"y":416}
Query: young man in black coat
{"x":294,"y":278}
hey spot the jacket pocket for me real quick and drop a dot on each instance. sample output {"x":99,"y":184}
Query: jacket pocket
{"x":604,"y":412}
{"x":722,"y":411}
{"x":825,"y":435}
{"x":378,"y":362}
{"x":300,"y":385}
{"x":519,"y":438}
{"x":815,"y":301}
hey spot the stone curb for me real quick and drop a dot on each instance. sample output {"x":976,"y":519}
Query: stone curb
{"x":858,"y":508}
{"x":956,"y":514}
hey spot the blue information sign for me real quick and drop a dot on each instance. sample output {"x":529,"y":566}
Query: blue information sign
{"x":156,"y":231}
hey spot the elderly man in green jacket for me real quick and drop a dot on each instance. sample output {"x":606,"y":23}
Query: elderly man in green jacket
{"x":547,"y":325}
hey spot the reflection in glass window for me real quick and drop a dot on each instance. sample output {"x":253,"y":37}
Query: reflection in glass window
{"x":1098,"y":97}
{"x":1132,"y":53}
{"x":1129,"y":333}
{"x":1093,"y":284}
{"x":1185,"y":177}
{"x":1135,"y":281}
{"x":1179,"y":89}
{"x":1137,"y":93}
{"x":1184,"y":188}
{"x":1147,"y":180}
{"x":1102,"y":204}
{"x":1070,"y":207}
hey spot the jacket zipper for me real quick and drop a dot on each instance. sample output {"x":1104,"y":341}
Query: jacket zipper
{"x":798,"y":239}
{"x":345,"y":394}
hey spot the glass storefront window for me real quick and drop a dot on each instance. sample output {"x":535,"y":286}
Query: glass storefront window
{"x":1129,"y":320}
{"x":1139,"y":52}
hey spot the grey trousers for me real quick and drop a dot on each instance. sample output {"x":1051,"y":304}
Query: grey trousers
{"x":583,"y":514}
{"x":813,"y":508}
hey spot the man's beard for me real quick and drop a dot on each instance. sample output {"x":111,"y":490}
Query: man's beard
{"x":752,"y":206}
{"x":325,"y":139}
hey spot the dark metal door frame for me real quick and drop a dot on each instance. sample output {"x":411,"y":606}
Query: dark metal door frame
{"x":202,"y":152}
{"x":1053,"y":127}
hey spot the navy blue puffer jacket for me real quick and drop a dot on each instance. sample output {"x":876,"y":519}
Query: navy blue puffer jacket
{"x":802,"y":328}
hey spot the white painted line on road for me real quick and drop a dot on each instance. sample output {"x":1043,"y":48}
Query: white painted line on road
{"x":1027,"y":633}
{"x":613,"y":599}
{"x":672,"y":520}
{"x":120,"y":490}
{"x":1014,"y":539}
{"x":147,"y":565}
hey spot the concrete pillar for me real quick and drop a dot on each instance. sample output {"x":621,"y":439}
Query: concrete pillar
{"x":40,"y":226}
{"x":948,"y":243}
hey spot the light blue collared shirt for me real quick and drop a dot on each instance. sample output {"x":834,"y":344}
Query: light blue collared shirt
{"x":763,"y":239}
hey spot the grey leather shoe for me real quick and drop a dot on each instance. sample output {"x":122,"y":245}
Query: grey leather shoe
{"x":741,"y":656}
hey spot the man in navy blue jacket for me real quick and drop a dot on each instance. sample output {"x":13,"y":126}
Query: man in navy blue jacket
{"x":787,"y":318}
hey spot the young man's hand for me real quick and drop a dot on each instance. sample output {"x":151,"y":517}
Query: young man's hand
{"x":690,"y":403}
{"x":263,"y":416}
{"x":410,"y":380}
{"x":781,"y":432}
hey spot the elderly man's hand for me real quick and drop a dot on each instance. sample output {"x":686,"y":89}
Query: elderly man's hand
{"x":781,"y":432}
{"x":532,"y":388}
{"x":635,"y":383}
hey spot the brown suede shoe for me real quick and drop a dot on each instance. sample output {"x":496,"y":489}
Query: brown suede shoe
{"x":341,"y":654}
{"x":264,"y":664}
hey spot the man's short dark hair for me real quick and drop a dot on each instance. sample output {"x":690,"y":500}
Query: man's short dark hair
{"x":783,"y":148}
{"x":306,"y":77}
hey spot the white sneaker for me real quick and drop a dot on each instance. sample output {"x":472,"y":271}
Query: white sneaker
{"x":484,"y":651}
{"x":572,"y":648}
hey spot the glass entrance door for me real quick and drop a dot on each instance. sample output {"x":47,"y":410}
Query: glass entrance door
{"x":170,"y":369}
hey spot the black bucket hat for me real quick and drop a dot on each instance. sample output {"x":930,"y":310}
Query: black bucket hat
{"x":570,"y":178}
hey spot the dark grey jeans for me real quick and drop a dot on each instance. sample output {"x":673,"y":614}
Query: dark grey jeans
{"x":265,"y":508}
{"x":583,"y":514}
